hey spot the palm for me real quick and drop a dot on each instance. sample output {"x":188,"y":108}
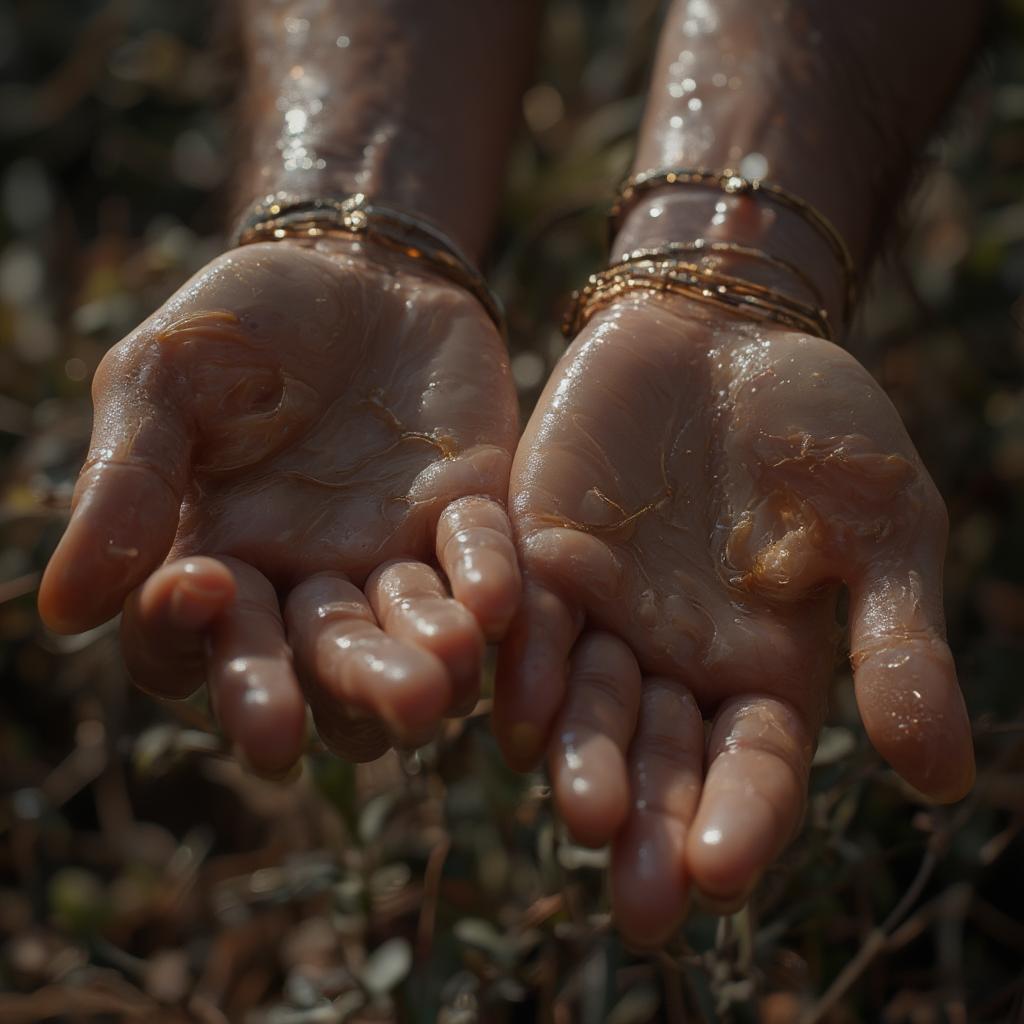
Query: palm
{"x":705,"y":489}
{"x":320,"y":423}
{"x":334,"y":437}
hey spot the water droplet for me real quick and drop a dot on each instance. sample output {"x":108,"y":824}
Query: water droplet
{"x":754,"y":165}
{"x":295,"y":121}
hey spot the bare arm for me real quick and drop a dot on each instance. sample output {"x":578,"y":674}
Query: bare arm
{"x":833,"y":101}
{"x":283,"y":452}
{"x":412,"y":103}
{"x":695,"y":486}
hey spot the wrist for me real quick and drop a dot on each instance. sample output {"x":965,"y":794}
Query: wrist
{"x":411,"y":104}
{"x":830,"y":107}
{"x":795,"y":259}
{"x":352,"y":230}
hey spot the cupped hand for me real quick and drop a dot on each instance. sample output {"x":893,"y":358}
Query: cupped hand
{"x":687,"y":498}
{"x":283,"y":458}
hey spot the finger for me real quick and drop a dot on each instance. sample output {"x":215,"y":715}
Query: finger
{"x":165,"y":622}
{"x":126,"y":502}
{"x":354,"y":671}
{"x":906,"y":684}
{"x":530,"y":682}
{"x":759,"y":757}
{"x":253,"y":688}
{"x":666,"y":760}
{"x":475,"y":550}
{"x":410,"y":603}
{"x":587,"y":761}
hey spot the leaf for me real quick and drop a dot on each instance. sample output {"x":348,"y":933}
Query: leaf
{"x":387,"y":966}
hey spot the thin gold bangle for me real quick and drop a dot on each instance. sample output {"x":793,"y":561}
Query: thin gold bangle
{"x":672,"y":253}
{"x":701,"y":246}
{"x":732,"y":182}
{"x":747,"y":307}
{"x":699,"y":276}
{"x":701,"y":284}
{"x":354,"y":217}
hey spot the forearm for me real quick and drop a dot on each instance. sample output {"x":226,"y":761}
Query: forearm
{"x":412,"y":103}
{"x":832,"y":101}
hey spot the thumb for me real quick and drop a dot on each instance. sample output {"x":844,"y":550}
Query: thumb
{"x":126,"y":503}
{"x":904,"y":676}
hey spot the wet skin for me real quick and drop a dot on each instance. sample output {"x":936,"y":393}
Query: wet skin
{"x":309,"y":438}
{"x":688,"y":496}
{"x":285,"y":459}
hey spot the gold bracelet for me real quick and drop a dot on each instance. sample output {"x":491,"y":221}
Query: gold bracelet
{"x":701,"y":284}
{"x":732,"y":182}
{"x":702,"y":247}
{"x":354,"y":217}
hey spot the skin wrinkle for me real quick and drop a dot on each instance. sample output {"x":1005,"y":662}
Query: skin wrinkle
{"x":417,"y":308}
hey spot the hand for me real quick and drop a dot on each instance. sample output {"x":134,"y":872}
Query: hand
{"x":304,"y":435}
{"x":687,"y":497}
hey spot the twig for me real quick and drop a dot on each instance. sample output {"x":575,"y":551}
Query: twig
{"x":878,"y":938}
{"x":431,"y":890}
{"x":18,"y":587}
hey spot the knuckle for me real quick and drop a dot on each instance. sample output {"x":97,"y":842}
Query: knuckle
{"x":668,"y":749}
{"x":122,"y":365}
{"x":598,"y":687}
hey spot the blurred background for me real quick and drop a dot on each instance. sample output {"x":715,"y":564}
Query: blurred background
{"x":142,"y":874}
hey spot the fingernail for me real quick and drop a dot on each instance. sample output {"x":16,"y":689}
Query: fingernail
{"x":195,"y":602}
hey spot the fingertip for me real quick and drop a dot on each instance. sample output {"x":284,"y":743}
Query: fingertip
{"x":591,"y":788}
{"x":530,"y":681}
{"x":269,"y":733}
{"x":914,"y":713}
{"x":650,"y":891}
{"x":66,"y":601}
{"x":587,"y":761}
{"x":189,"y":594}
{"x":57,"y":605}
{"x":411,"y":694}
{"x":489,"y":585}
{"x":730,"y":844}
{"x":258,"y":703}
{"x":122,"y":526}
{"x":759,"y":755}
{"x":414,"y":609}
{"x":474,"y":547}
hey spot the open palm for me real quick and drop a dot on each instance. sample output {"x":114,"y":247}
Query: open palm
{"x":305,"y":436}
{"x":687,"y":498}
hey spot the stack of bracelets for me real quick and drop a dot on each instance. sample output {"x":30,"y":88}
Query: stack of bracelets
{"x":355,"y":218}
{"x":684,"y":268}
{"x":688,"y":269}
